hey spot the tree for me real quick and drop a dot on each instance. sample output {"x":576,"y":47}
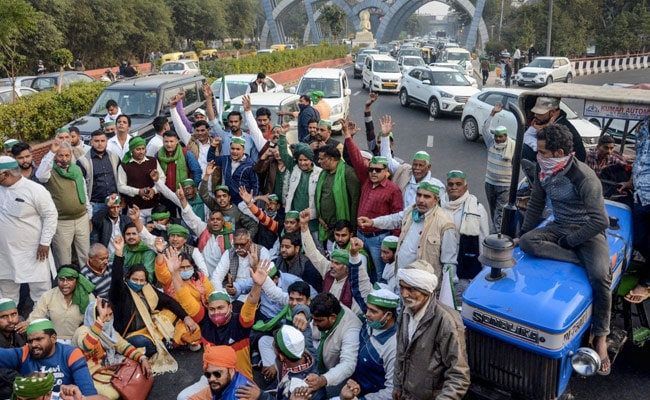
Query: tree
{"x":16,"y":18}
{"x":333,"y":17}
{"x":61,"y":58}
{"x":241,"y":17}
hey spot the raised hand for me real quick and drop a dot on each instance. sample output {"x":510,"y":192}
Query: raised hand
{"x":356,"y":244}
{"x":246,"y":102}
{"x":364,"y":222}
{"x":134,"y":213}
{"x":118,"y":244}
{"x":159,"y":244}
{"x":56,"y":145}
{"x":305,"y":217}
{"x":245,"y":195}
{"x":386,"y":125}
{"x":211,"y":167}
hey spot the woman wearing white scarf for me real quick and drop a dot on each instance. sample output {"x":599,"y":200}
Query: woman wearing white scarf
{"x":103,"y":346}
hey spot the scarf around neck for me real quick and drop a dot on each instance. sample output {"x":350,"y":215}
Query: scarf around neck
{"x":178,"y":158}
{"x":323,"y":336}
{"x":73,"y":173}
{"x":340,"y":192}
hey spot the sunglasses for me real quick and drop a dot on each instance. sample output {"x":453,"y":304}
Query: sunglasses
{"x":376,"y":170}
{"x":216,"y":374}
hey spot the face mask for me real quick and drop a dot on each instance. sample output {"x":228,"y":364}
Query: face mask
{"x":302,"y":106}
{"x":376,"y":324}
{"x":136,"y":287}
{"x":160,"y":227}
{"x":415,"y":214}
{"x":219,"y":319}
{"x":108,"y":326}
{"x":547,"y":165}
{"x":500,"y":146}
{"x":63,"y":164}
{"x":185,"y":275}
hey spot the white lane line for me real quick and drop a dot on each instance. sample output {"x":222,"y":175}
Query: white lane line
{"x":429,"y":141}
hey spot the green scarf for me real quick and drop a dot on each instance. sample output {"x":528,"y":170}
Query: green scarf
{"x":82,"y":290}
{"x":262,"y":326}
{"x":225,"y":233}
{"x":141,"y":254}
{"x":321,"y":344}
{"x":179,"y":158}
{"x":75,"y":174}
{"x":340,"y":191}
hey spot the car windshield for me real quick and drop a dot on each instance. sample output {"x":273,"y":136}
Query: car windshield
{"x":172,"y":67}
{"x":131,"y":102}
{"x":361,"y":58}
{"x":449,"y":79}
{"x":44,"y":83}
{"x":386,"y":66}
{"x":541,"y":63}
{"x":412,"y":61}
{"x":410,"y":52}
{"x":331,"y":87}
{"x":459,"y":56}
{"x":457,"y":67}
{"x":235,"y":88}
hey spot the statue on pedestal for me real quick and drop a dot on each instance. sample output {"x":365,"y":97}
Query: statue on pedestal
{"x":364,"y":25}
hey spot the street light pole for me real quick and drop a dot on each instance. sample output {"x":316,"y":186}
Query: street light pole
{"x":549,"y":27}
{"x":501,"y":20}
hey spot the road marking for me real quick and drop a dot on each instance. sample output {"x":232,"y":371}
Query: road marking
{"x":357,"y":93}
{"x":429,"y":141}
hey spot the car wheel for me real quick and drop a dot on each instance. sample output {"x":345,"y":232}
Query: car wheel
{"x":434,"y":108}
{"x":549,"y":80}
{"x":470,"y":129}
{"x":404,"y":98}
{"x":569,"y":78}
{"x":363,"y":84}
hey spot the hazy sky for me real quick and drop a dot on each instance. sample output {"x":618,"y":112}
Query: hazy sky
{"x":435,"y":8}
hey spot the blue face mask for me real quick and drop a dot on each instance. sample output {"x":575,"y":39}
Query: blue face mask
{"x":376,"y":324}
{"x":415,"y":214}
{"x":136,"y":287}
{"x":185,"y":275}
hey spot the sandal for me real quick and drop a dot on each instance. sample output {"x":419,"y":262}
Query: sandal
{"x":605,"y":367}
{"x":637,"y":298}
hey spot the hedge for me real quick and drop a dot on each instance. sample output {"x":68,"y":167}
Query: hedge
{"x":36,"y":117}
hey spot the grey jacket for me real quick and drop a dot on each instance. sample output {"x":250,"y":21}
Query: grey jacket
{"x":433,"y":364}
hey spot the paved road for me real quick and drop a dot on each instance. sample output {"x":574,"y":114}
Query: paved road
{"x":630,"y":378}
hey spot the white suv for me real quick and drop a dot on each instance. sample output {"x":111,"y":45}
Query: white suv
{"x":544,"y":70}
{"x":333,"y":82}
{"x":441,"y":90}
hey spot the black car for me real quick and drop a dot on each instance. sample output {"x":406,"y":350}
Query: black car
{"x":143,"y":99}
{"x":358,"y":62}
{"x":51,"y":81}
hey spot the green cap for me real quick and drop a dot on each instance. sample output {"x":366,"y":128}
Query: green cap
{"x":7,"y":162}
{"x":160,"y":215}
{"x":38,"y":325}
{"x":383,"y":298}
{"x":390,"y":242}
{"x":422,"y":155}
{"x":325,"y":123}
{"x":429,"y":187}
{"x":456,"y":173}
{"x":274,"y":197}
{"x":9,"y":143}
{"x":33,"y":387}
{"x":223,"y":188}
{"x":238,"y":140}
{"x":379,"y":160}
{"x":188,"y":182}
{"x":293,"y":214}
{"x":341,"y":256}
{"x":317,"y":93}
{"x":136,"y":142}
{"x":273,"y":271}
{"x":176,"y":229}
{"x":217,"y":295}
{"x":118,"y":199}
{"x":109,"y":123}
{"x":7,"y":304}
{"x":62,"y":130}
{"x":499,"y":131}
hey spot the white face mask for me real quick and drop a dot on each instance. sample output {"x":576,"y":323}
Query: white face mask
{"x":160,"y":227}
{"x":547,"y":165}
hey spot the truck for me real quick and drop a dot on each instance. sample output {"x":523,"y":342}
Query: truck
{"x":527,"y":327}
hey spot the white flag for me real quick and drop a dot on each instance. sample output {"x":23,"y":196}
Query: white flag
{"x":223,"y":103}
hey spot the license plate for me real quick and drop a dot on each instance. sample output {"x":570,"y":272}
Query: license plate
{"x":390,"y":84}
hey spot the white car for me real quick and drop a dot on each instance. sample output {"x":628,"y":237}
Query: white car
{"x":479,"y":107}
{"x":333,"y":82}
{"x":238,"y":83}
{"x":458,"y":68}
{"x":181,"y":67}
{"x":274,"y":102}
{"x":544,"y":70}
{"x":407,"y":62}
{"x":381,"y":74}
{"x":6,"y":95}
{"x":441,"y":90}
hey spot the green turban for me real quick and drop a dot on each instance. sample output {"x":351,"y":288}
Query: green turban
{"x":32,"y":387}
{"x":299,"y":149}
{"x":456,"y":173}
{"x":292,"y":215}
{"x":176,"y":229}
{"x":341,"y":256}
{"x":133,"y":143}
{"x":188,"y":182}
{"x":429,"y":187}
{"x":82,"y":290}
{"x":160,"y":215}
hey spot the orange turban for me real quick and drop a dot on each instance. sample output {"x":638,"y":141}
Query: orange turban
{"x":219,"y":356}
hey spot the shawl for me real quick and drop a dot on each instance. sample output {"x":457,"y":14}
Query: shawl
{"x":181,"y":167}
{"x":74,"y":173}
{"x":340,"y":191}
{"x":82,"y":290}
{"x":470,"y":220}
